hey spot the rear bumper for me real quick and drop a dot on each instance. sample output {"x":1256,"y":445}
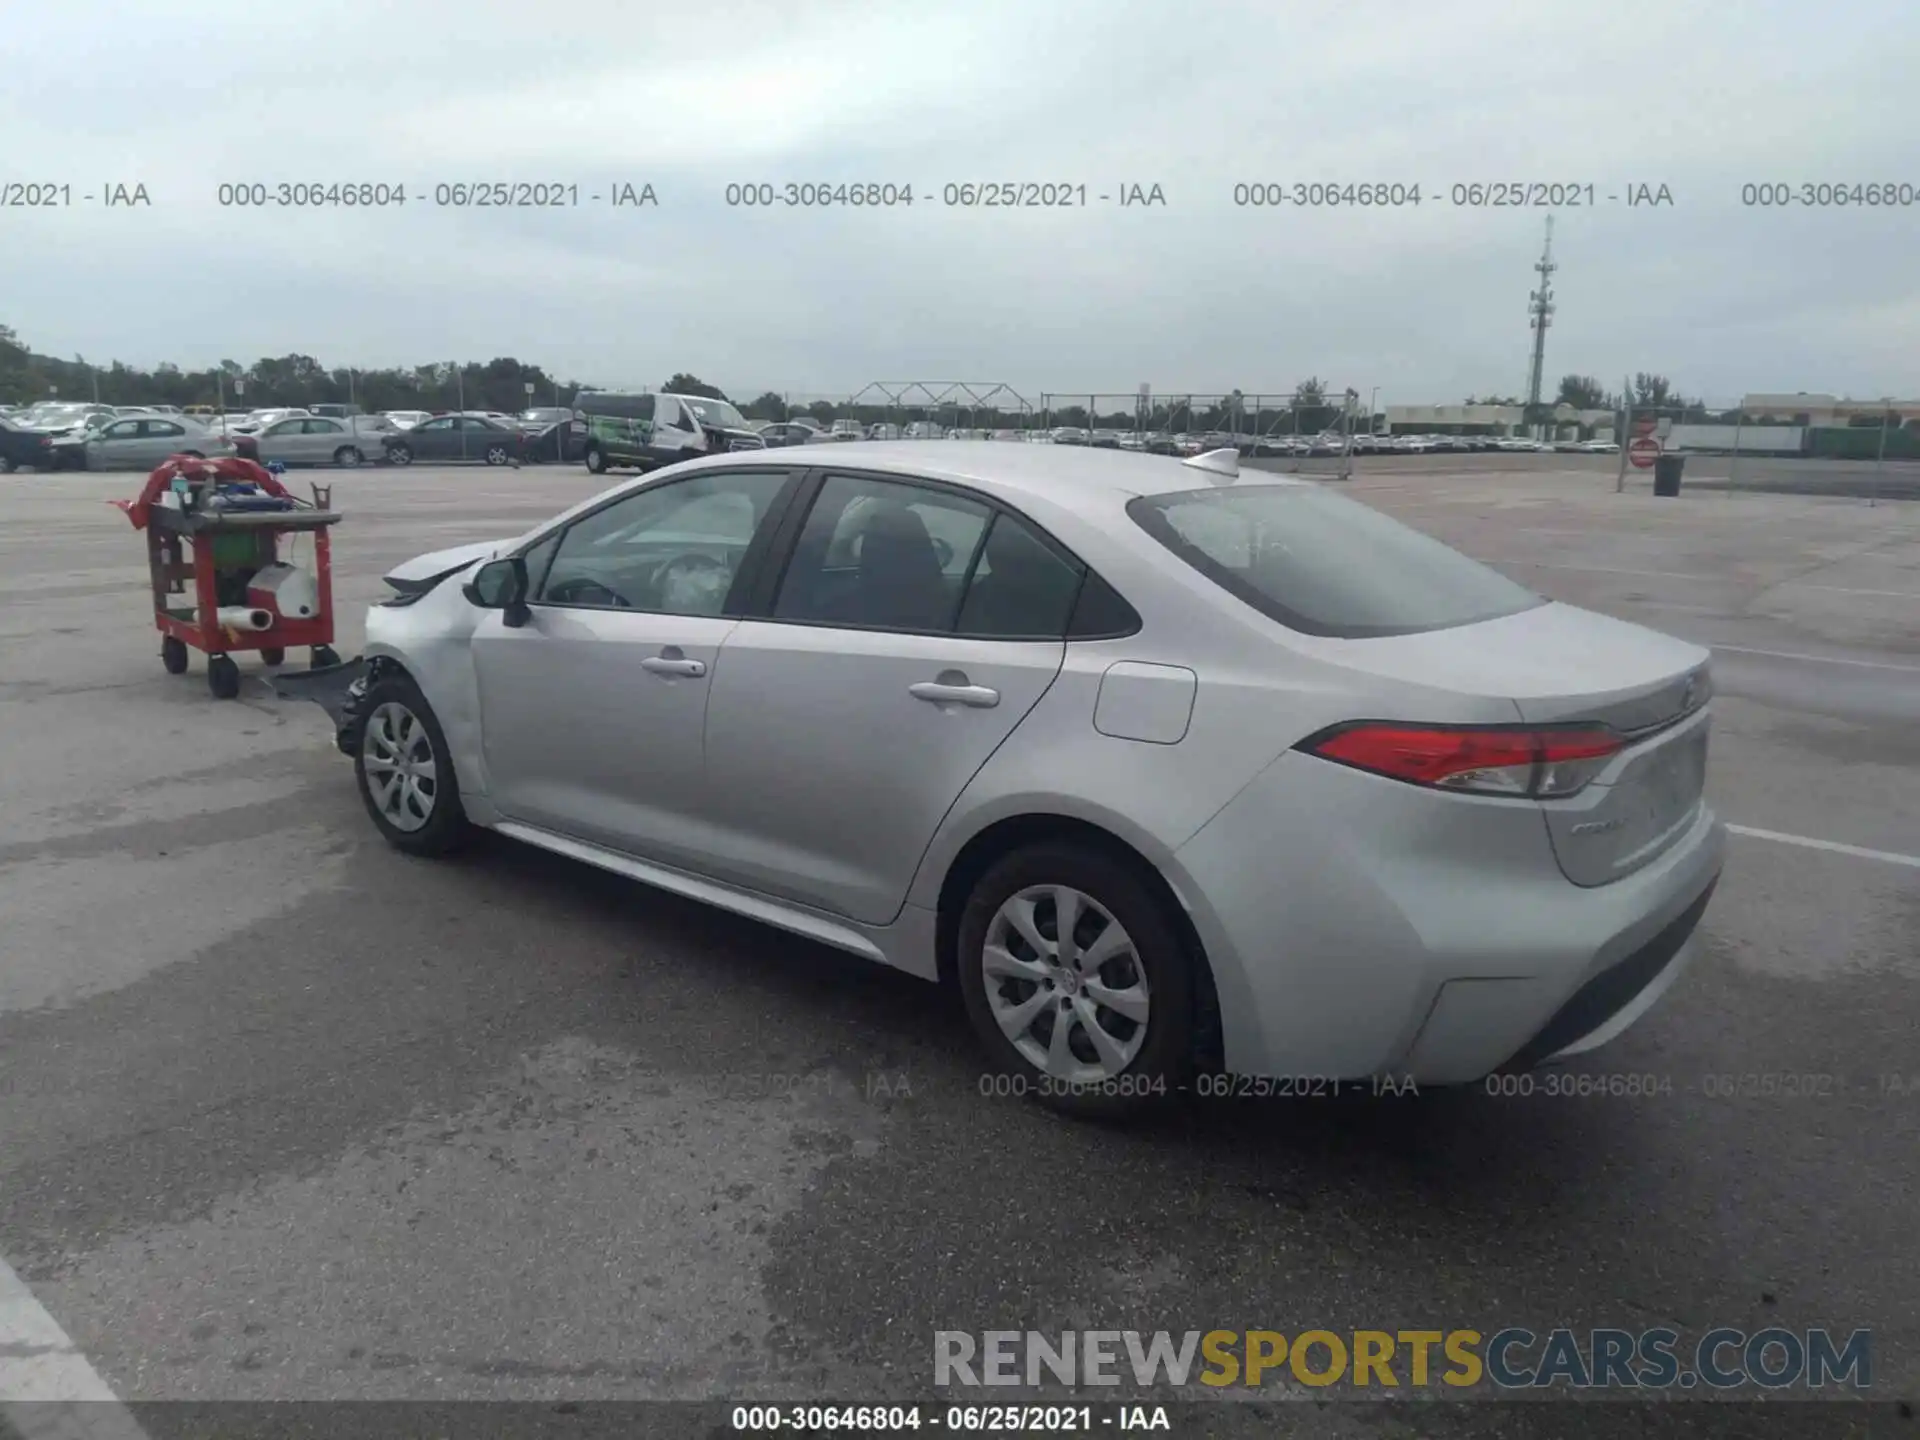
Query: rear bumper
{"x":337,"y":689}
{"x":1355,"y":928}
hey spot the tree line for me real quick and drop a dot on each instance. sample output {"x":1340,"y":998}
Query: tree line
{"x":503,"y":384}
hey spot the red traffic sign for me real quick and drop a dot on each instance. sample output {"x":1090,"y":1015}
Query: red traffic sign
{"x":1646,"y":424}
{"x":1643,"y":452}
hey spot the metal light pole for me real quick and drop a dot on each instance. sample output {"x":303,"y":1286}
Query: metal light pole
{"x":1626,"y":424}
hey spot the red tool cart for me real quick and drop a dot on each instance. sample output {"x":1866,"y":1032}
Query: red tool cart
{"x":232,"y":530}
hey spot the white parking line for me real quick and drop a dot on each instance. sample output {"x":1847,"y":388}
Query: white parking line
{"x":1817,"y":659}
{"x":47,"y":1388}
{"x":1831,"y":846}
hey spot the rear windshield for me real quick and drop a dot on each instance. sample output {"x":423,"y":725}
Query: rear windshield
{"x":1322,"y":564}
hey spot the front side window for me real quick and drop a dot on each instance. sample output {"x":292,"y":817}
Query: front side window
{"x":881,"y":555}
{"x":1325,"y":565}
{"x":672,"y":549}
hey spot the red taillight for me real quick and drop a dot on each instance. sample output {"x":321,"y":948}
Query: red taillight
{"x":1490,"y":760}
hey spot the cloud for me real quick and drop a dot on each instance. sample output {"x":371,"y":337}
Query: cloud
{"x":1425,"y":301}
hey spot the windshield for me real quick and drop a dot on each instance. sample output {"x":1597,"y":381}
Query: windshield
{"x":1325,"y":565}
{"x":715,"y":412}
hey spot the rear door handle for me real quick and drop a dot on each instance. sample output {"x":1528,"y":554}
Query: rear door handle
{"x":932,"y":691}
{"x":662,"y":665}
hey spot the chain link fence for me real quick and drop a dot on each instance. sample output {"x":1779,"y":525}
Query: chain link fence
{"x":1802,"y":445}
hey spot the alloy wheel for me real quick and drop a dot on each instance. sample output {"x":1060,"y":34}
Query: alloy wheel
{"x":403,"y":774}
{"x":1065,"y":983}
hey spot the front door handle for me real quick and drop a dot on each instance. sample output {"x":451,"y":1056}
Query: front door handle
{"x":664,"y":665}
{"x":932,"y":691}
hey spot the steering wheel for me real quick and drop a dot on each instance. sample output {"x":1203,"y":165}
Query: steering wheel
{"x":688,"y":575}
{"x":581,"y":590}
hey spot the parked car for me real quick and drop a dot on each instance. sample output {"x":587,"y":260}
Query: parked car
{"x":847,"y":430}
{"x":407,"y":419}
{"x":783,"y":433}
{"x":457,"y":437}
{"x":644,"y":431}
{"x":923,"y":430}
{"x":883,"y":432}
{"x":1601,"y":447}
{"x":23,"y":446}
{"x":324,"y":440}
{"x":137,"y":443}
{"x":1158,"y":681}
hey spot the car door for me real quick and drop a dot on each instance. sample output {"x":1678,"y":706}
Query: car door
{"x":675,"y":431}
{"x":116,"y":445}
{"x":435,"y":439}
{"x":320,"y":437}
{"x":593,"y":712}
{"x":846,"y":720}
{"x":282,"y":441}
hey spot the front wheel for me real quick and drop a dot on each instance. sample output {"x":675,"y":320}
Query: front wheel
{"x":496,"y":455}
{"x":405,"y":772}
{"x":1077,"y":981}
{"x":596,"y":460}
{"x":173,"y":654}
{"x":400,"y":454}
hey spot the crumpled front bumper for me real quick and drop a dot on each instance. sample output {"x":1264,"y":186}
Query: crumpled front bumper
{"x":339,"y":690}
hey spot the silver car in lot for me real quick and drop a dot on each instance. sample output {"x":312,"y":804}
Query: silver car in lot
{"x":142,"y":442}
{"x":1174,"y":770}
{"x":324,"y":440}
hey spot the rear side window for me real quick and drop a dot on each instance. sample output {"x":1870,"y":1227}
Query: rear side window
{"x":1022,"y":588}
{"x":1325,"y":565}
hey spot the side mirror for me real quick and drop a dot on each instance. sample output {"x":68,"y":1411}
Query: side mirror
{"x":502,"y":585}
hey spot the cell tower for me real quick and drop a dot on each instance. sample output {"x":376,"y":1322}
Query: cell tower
{"x":1540,"y":309}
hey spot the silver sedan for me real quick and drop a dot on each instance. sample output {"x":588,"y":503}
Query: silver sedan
{"x":322,"y":440}
{"x":1175,"y":771}
{"x":140,"y":443}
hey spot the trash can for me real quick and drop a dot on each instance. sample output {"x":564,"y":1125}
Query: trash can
{"x":1666,"y":474}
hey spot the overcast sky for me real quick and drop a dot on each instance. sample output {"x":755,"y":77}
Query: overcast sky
{"x":1427,"y":303}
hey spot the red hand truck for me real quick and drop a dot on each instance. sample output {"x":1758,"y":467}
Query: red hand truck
{"x":208,"y":523}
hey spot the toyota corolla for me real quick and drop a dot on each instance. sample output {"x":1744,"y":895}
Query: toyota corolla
{"x":1170,"y":769}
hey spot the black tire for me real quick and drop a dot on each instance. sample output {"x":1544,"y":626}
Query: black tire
{"x":323,"y":656}
{"x":223,"y":677}
{"x":400,"y":454}
{"x":273,"y":656}
{"x":173,"y":654}
{"x":1161,"y":1066}
{"x":446,"y":826}
{"x":497,"y":455}
{"x":348,"y":456}
{"x":596,"y":460}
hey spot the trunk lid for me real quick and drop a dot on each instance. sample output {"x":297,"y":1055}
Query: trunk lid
{"x":1559,"y":664}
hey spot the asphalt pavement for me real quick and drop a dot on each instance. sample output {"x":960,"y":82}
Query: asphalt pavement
{"x":288,"y":1116}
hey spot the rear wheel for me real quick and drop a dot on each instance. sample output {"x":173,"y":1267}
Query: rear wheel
{"x":596,"y":460}
{"x":404,"y":772}
{"x":348,"y":456}
{"x":1077,"y":981}
{"x":323,"y":656}
{"x":273,"y":655}
{"x":496,"y":455}
{"x":173,"y":654}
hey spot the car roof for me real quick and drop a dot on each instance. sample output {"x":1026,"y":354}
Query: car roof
{"x":1068,"y":475}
